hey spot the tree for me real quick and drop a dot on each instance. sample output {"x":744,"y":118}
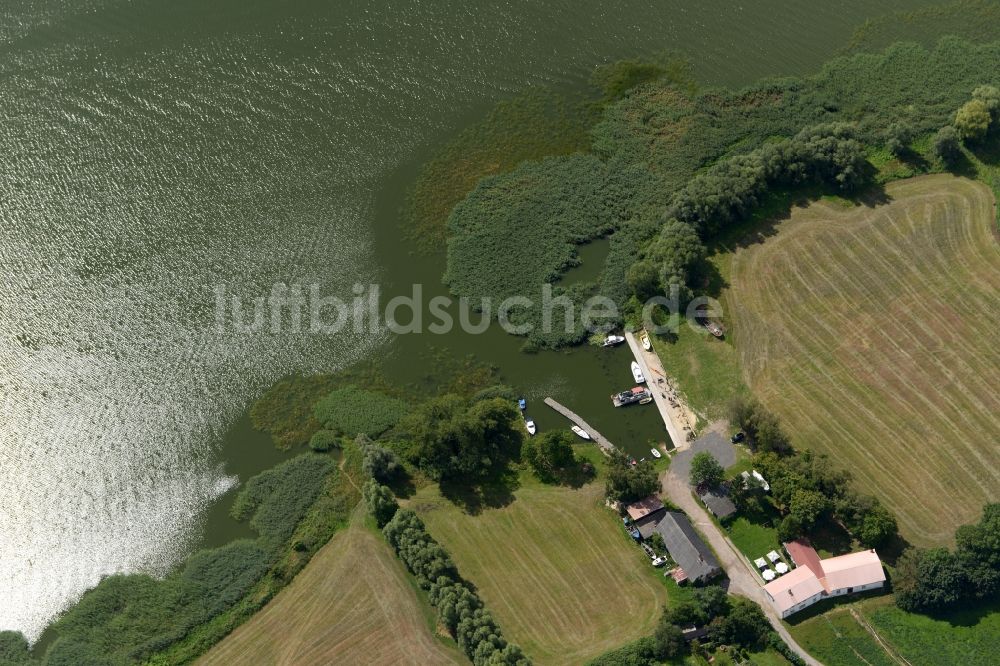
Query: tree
{"x":380,"y":463}
{"x":973,"y":120}
{"x":452,"y":439}
{"x":762,"y":428}
{"x":643,"y":279}
{"x":706,"y":470}
{"x":978,"y":549}
{"x":380,"y":500}
{"x":789,"y":528}
{"x":990,"y":97}
{"x":549,"y":453}
{"x":628,"y":483}
{"x":668,"y":641}
{"x":807,"y":506}
{"x":877,"y":527}
{"x":898,"y":138}
{"x":929,"y":580}
{"x":946,"y":146}
{"x":745,"y":625}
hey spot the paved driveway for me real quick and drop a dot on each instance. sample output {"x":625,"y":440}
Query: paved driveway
{"x":714,"y":442}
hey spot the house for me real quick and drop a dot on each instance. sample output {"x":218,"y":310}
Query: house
{"x":645,"y":513}
{"x":814,"y":579}
{"x":715,"y":501}
{"x":695,"y":559}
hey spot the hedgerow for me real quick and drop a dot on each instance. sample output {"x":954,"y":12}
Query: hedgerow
{"x":459,"y":608}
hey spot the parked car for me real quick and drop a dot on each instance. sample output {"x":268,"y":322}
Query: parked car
{"x":737,"y":438}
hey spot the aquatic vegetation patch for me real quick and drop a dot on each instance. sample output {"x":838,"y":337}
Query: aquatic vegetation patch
{"x":352,"y":410}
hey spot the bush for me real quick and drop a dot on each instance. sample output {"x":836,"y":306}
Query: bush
{"x":352,"y":410}
{"x":973,"y":120}
{"x":324,"y":440}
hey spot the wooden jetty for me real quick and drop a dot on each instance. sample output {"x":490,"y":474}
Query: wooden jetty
{"x":606,"y":446}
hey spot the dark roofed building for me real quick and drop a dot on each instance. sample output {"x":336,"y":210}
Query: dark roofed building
{"x":720,"y":505}
{"x":645,"y":514}
{"x":686,"y":548}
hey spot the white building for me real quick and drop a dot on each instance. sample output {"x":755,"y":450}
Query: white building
{"x":814,"y":579}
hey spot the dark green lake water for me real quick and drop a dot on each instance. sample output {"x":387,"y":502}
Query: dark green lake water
{"x":153,"y":151}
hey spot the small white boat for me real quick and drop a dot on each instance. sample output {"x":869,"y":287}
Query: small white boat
{"x":656,"y":453}
{"x":530,"y":427}
{"x":644,"y":339}
{"x":613,"y":340}
{"x":583,"y":434}
{"x":637,"y":373}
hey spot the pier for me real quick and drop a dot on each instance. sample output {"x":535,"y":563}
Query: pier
{"x":606,"y":446}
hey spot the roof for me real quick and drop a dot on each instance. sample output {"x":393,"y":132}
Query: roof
{"x":686,"y":548}
{"x":804,"y":555}
{"x":853,"y":570}
{"x":794,"y":587}
{"x":718,"y":504}
{"x":644,"y":507}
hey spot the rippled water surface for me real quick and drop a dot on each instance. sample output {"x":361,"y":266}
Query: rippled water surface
{"x":150,"y":151}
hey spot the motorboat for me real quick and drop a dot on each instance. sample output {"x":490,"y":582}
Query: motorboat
{"x":638,"y":394}
{"x":613,"y":340}
{"x":583,"y":434}
{"x":637,"y":373}
{"x":522,"y":404}
{"x":530,"y":427}
{"x":656,"y":453}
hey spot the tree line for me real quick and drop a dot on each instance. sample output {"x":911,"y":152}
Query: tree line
{"x":807,"y":487}
{"x":459,"y":608}
{"x":737,"y":622}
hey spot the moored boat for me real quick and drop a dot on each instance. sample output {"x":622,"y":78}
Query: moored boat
{"x":529,"y":425}
{"x":522,"y":404}
{"x":583,"y":434}
{"x":613,"y":340}
{"x":637,"y":373}
{"x":656,"y":453}
{"x":637,"y":394}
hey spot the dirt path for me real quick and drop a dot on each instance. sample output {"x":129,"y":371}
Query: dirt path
{"x":741,"y":580}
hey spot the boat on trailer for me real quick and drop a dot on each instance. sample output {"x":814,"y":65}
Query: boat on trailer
{"x":637,"y":373}
{"x":583,"y":434}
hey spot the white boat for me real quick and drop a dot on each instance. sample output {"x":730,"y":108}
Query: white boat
{"x":656,"y":453}
{"x":644,"y":339}
{"x":580,"y":431}
{"x":613,"y":340}
{"x":530,"y":426}
{"x":637,"y":373}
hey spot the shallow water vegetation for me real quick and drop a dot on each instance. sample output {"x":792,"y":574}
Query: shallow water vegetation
{"x":352,"y":411}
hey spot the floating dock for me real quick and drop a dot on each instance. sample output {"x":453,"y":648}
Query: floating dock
{"x":606,"y":446}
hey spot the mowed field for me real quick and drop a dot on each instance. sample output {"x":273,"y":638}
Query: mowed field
{"x":554,"y":567}
{"x":872,"y":333}
{"x":352,"y":604}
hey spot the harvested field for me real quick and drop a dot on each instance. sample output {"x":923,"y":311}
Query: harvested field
{"x":872,"y":333}
{"x":554,"y":567}
{"x":352,"y":604}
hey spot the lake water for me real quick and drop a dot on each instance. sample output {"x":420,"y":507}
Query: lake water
{"x":153,"y":151}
